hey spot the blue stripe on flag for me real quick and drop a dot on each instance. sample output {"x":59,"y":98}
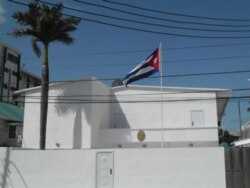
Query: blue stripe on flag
{"x":147,"y":74}
{"x":143,"y":65}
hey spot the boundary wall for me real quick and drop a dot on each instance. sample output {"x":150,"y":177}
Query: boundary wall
{"x":133,"y":168}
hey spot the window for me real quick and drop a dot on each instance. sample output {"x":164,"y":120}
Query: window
{"x":37,"y":83}
{"x":28,"y":82}
{"x":12,"y":132}
{"x":13,"y":88}
{"x":5,"y":86}
{"x":6,"y":70}
{"x":12,"y":58}
{"x":14,"y":73}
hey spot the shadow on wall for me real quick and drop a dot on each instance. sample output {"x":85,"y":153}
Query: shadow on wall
{"x":75,"y":99}
{"x":77,"y":132}
{"x":7,"y":164}
{"x":119,"y":121}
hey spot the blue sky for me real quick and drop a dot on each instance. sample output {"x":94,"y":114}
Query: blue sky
{"x":109,"y":52}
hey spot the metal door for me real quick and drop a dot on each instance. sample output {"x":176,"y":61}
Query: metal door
{"x":197,"y":118}
{"x":104,"y":170}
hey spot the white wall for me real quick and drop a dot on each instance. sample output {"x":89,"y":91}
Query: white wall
{"x":39,"y":169}
{"x":69,"y":118}
{"x":176,"y":109}
{"x":177,"y":168}
{"x":179,"y":137}
{"x":83,"y":114}
{"x":170,"y":122}
{"x":73,"y":113}
{"x":100,"y":111}
{"x":31,"y":126}
{"x":134,"y":168}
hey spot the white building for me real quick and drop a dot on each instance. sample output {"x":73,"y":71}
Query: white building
{"x":101,"y":137}
{"x":88,"y":114}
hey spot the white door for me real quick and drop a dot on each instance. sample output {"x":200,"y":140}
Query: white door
{"x":197,"y":118}
{"x":105,"y":170}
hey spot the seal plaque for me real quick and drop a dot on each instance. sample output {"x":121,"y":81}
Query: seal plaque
{"x":141,"y":135}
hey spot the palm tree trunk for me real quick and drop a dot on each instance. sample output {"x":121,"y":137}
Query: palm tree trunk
{"x":44,"y":98}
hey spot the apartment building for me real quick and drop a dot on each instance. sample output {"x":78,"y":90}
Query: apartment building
{"x":9,"y":71}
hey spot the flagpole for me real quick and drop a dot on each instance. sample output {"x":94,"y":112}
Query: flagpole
{"x":161,"y":85}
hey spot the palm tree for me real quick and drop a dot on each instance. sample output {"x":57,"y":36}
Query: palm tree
{"x":44,"y":24}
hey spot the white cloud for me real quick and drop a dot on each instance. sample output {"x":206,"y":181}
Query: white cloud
{"x":2,"y":12}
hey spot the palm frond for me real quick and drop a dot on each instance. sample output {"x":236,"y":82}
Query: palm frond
{"x":23,"y":32}
{"x":45,"y":24}
{"x":72,"y":20}
{"x":64,"y":38}
{"x":19,"y":16}
{"x":29,"y":17}
{"x":35,"y":47}
{"x":57,"y":8}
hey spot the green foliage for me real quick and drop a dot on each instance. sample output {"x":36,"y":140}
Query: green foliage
{"x":226,"y":137}
{"x":45,"y":24}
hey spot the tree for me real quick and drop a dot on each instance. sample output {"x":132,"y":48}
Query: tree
{"x":226,"y":137}
{"x":44,"y":24}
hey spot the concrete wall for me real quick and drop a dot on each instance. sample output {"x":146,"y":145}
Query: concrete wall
{"x":170,"y":122}
{"x":39,"y":169}
{"x":73,"y":113}
{"x":177,"y":168}
{"x":100,"y":111}
{"x":31,"y":127}
{"x":134,"y":168}
{"x":144,"y":110}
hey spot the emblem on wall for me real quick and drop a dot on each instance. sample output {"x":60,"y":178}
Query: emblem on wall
{"x":141,"y":135}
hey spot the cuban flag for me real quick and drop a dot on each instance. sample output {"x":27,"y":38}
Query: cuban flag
{"x":148,"y":67}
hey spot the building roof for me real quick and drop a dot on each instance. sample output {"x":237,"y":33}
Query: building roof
{"x":157,"y":88}
{"x":11,"y":113}
{"x":34,"y":89}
